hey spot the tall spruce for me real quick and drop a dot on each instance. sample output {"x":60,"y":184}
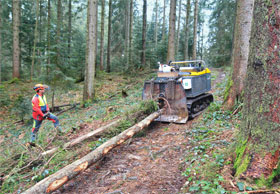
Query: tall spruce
{"x":186,"y":50}
{"x":35,"y":39}
{"x":16,"y":47}
{"x":130,"y":31}
{"x":178,"y":29}
{"x":156,"y":23}
{"x":242,"y":33}
{"x":126,"y":41}
{"x":102,"y":35}
{"x":144,"y":27}
{"x":69,"y":27}
{"x":258,"y":143}
{"x":171,"y":32}
{"x":163,"y":21}
{"x":49,"y":37}
{"x":58,"y":33}
{"x":90,"y":51}
{"x":195,"y":30}
{"x":108,"y":67}
{"x":0,"y":41}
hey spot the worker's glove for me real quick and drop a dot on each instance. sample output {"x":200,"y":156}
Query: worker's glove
{"x":46,"y":115}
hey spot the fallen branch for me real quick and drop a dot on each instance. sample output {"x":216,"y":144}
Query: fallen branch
{"x":56,"y":180}
{"x":66,"y":110}
{"x":82,"y":138}
{"x":63,"y":105}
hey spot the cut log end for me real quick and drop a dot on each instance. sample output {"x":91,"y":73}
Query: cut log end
{"x":56,"y":184}
{"x":81,"y":167}
{"x":106,"y":150}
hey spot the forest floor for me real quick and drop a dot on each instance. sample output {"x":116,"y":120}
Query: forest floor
{"x":156,"y":161}
{"x":165,"y":158}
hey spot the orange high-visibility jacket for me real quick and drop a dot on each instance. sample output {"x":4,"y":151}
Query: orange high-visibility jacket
{"x":39,"y":106}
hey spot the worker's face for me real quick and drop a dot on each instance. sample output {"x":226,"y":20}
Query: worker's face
{"x":42,"y":91}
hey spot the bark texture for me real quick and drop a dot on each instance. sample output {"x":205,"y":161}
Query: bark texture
{"x":195,"y":30}
{"x":143,"y":53}
{"x":49,"y":36}
{"x":240,"y":52}
{"x":130,"y":32}
{"x":108,"y":67}
{"x":178,"y":28}
{"x":69,"y":27}
{"x":91,"y":51}
{"x":171,"y":33}
{"x":56,"y":180}
{"x":58,"y":33}
{"x":102,"y":35}
{"x":156,"y":23}
{"x":16,"y":48}
{"x":0,"y":41}
{"x":163,"y":21}
{"x":257,"y":153}
{"x":35,"y":39}
{"x":127,"y":25}
{"x":188,"y":9}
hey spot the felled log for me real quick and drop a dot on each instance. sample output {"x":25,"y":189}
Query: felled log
{"x":82,"y":138}
{"x":57,"y":108}
{"x":56,"y":180}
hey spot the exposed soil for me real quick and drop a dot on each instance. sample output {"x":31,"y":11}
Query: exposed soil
{"x":152,"y":163}
{"x":149,"y":164}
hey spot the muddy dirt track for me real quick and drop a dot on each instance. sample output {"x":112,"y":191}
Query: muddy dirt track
{"x":150,"y":164}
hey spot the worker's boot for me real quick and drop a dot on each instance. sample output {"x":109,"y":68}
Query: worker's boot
{"x":30,"y":144}
{"x":59,"y":130}
{"x":32,"y":141}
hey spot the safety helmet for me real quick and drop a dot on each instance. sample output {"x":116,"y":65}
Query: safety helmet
{"x":38,"y":87}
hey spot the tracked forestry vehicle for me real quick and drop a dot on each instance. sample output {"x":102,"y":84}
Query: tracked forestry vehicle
{"x":181,"y":88}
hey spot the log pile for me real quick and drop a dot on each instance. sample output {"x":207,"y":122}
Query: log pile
{"x":56,"y":180}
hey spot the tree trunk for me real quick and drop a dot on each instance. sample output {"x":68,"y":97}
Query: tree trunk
{"x":130,"y":31}
{"x":258,"y":147}
{"x":195,"y":30}
{"x":40,"y":21}
{"x":163,"y":21}
{"x":188,"y":9}
{"x":58,"y":29}
{"x":143,"y":53}
{"x":240,"y":52}
{"x":49,"y":36}
{"x":96,"y":39}
{"x":126,"y":43}
{"x":16,"y":49}
{"x":171,"y":33}
{"x":90,"y":51}
{"x":56,"y":180}
{"x":78,"y":140}
{"x":156,"y":24}
{"x":69,"y":28}
{"x":108,"y":67}
{"x":35,"y":39}
{"x":202,"y":42}
{"x":0,"y":42}
{"x":178,"y":29}
{"x":102,"y":35}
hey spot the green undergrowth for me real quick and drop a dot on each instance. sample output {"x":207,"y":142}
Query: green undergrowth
{"x":210,"y":147}
{"x":108,"y":104}
{"x":207,"y":156}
